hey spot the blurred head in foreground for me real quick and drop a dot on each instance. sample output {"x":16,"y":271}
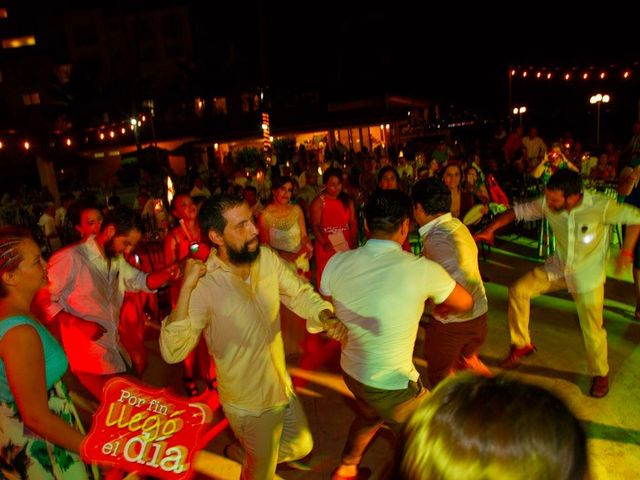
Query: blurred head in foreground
{"x":491,"y":428}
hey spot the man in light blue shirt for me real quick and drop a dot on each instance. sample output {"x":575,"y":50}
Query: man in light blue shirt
{"x":379,"y":292}
{"x":452,"y":340}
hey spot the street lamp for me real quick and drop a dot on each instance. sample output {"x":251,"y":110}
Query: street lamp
{"x":598,"y":98}
{"x":520,"y":111}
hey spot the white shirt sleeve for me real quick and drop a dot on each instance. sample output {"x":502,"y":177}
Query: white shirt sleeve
{"x":533,"y":210}
{"x":622,"y":213}
{"x":134,"y":280}
{"x":297,"y":295}
{"x":438,"y":282}
{"x":179,"y":337}
{"x":60,"y":214}
{"x":58,"y":268}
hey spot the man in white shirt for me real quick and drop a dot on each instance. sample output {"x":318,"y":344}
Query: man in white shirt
{"x":308,"y":192}
{"x":379,"y":293}
{"x":48,"y":226}
{"x":86,"y":289}
{"x":580,"y":222}
{"x":200,"y":189}
{"x":452,"y":340}
{"x":250,"y":194}
{"x":61,"y":212}
{"x":236,"y":306}
{"x":404,"y":169}
{"x":536,"y":148}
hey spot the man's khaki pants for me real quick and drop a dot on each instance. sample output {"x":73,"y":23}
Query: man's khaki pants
{"x":588,"y":304}
{"x":276,"y":436}
{"x":375,"y":406}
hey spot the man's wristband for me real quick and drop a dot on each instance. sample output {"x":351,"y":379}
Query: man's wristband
{"x":626,"y":253}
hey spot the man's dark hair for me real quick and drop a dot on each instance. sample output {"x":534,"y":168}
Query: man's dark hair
{"x":433,"y":195}
{"x":124,"y":219}
{"x":74,"y":212}
{"x":211,"y":215}
{"x":567,"y":181}
{"x":386,"y":210}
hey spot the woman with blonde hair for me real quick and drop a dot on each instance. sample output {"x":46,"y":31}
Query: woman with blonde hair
{"x":497,"y":428}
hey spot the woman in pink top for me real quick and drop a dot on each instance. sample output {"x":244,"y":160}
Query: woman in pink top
{"x":333,"y":221}
{"x":334,"y":226}
{"x":187,"y":241}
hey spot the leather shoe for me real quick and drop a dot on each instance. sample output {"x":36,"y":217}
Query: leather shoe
{"x":516,"y":354}
{"x":599,"y":386}
{"x":474,"y":364}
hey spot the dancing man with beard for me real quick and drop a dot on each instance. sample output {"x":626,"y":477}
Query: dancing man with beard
{"x":234,"y":300}
{"x":87,"y":282}
{"x":580,"y":221}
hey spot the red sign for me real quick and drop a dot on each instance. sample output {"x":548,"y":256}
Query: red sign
{"x":146,"y":430}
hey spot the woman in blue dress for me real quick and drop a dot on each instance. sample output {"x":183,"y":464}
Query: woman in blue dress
{"x":40,"y":433}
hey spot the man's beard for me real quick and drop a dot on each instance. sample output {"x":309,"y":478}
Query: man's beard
{"x":242,"y":256}
{"x":109,"y":251}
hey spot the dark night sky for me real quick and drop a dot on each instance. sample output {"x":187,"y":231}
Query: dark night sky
{"x":449,"y":52}
{"x":437,"y":49}
{"x":458,"y":53}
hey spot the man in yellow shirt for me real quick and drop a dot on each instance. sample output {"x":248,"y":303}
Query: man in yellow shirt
{"x":234,"y":301}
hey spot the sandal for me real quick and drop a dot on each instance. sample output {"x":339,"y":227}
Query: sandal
{"x":190,"y":386}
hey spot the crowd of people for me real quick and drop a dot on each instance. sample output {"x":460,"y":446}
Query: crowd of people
{"x":324,"y":271}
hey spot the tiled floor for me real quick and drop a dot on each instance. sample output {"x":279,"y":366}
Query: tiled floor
{"x":612,"y":423}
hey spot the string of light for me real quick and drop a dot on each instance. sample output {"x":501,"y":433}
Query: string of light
{"x":575,"y":73}
{"x":110,"y":133}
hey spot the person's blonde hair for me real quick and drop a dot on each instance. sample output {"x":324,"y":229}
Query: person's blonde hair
{"x":491,"y":428}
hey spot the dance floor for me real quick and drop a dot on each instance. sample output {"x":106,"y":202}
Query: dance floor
{"x":612,"y":423}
